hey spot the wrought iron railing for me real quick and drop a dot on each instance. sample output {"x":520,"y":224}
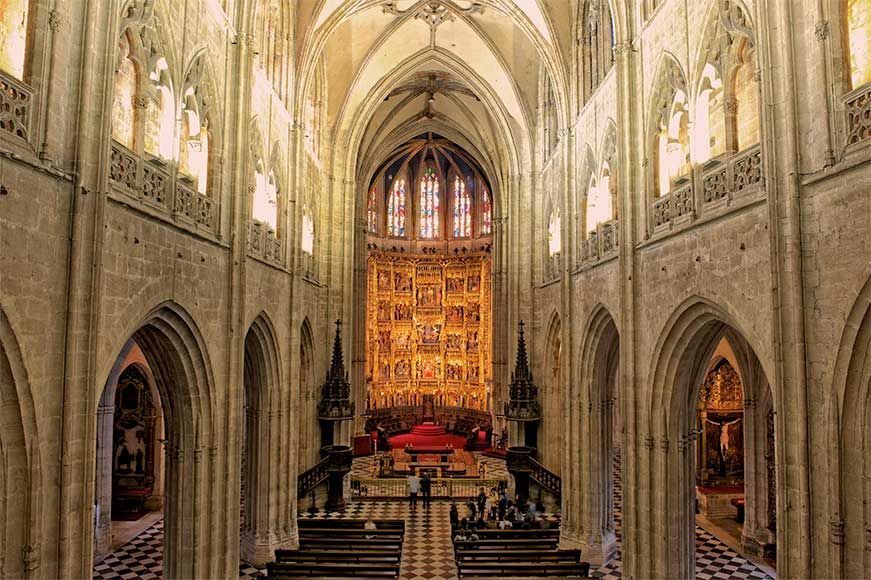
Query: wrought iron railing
{"x":313,"y":477}
{"x":441,"y":487}
{"x":158,"y":186}
{"x":337,"y":459}
{"x":545,"y":478}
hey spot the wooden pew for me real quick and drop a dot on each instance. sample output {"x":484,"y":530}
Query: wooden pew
{"x":519,"y":556}
{"x":328,"y":556}
{"x":522,"y":569}
{"x":508,"y":544}
{"x":342,"y":524}
{"x":290,"y":570}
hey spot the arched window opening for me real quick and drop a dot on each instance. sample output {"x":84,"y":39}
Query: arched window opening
{"x":124,"y":99}
{"x":371,"y":210}
{"x":462,"y":209}
{"x":396,"y":209}
{"x":746,"y":91}
{"x":599,"y":203}
{"x":270,"y":34}
{"x":194,"y":150}
{"x":429,"y":204}
{"x":13,"y":36}
{"x":554,"y":235}
{"x":672,"y":145}
{"x":486,"y":213}
{"x":308,"y":233}
{"x":710,"y":122}
{"x":160,"y":128}
{"x":597,"y":44}
{"x":265,"y":203}
{"x":859,"y":41}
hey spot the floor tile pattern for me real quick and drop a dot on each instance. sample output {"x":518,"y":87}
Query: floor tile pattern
{"x":427,"y":552}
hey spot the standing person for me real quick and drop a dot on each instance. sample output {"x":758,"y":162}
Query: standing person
{"x":502,"y":505}
{"x":426,"y":488}
{"x":455,"y":515}
{"x":482,"y":501}
{"x":413,"y":489}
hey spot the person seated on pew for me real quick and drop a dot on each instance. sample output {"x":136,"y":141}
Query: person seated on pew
{"x":369,"y":525}
{"x":503,"y":524}
{"x":455,"y":515}
{"x":481,"y":524}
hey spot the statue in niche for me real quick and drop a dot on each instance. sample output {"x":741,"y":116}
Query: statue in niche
{"x":474,"y":283}
{"x":403,"y":341}
{"x":402,"y":282}
{"x":384,"y":339}
{"x":402,"y":312}
{"x":453,"y":342}
{"x":383,"y":310}
{"x":428,"y":369}
{"x":403,"y":369}
{"x":455,"y":285}
{"x":385,"y":371}
{"x":473,"y":313}
{"x":429,"y":296}
{"x":473,"y":374}
{"x":454,"y":314}
{"x":383,"y":280}
{"x":472,"y":341}
{"x":429,"y":333}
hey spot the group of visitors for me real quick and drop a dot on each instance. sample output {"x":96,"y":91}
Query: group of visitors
{"x":419,"y":485}
{"x":495,"y":510}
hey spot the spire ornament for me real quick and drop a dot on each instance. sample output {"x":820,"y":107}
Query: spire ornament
{"x":335,"y":403}
{"x":523,"y":402}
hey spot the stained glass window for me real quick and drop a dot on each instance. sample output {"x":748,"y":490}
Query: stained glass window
{"x":486,"y":213}
{"x":396,"y":210}
{"x":429,"y":205}
{"x":372,"y":212}
{"x":13,"y":36}
{"x":462,"y":209}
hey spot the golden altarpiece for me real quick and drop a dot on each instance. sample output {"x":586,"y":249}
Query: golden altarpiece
{"x":428,"y":280}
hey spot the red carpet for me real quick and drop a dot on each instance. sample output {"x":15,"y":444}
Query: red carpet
{"x":427,"y":441}
{"x":428,"y":429}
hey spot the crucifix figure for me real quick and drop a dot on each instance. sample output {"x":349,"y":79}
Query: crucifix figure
{"x":724,"y":434}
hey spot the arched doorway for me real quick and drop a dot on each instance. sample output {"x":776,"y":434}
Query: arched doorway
{"x":261,"y":474}
{"x":601,"y":437}
{"x":692,"y":348}
{"x":310,"y":437}
{"x":20,"y":473}
{"x":174,"y":355}
{"x":551,"y":429}
{"x":850,"y":445}
{"x":129,"y":477}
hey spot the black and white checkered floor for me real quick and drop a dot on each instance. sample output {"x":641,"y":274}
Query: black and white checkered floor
{"x":427,"y":553}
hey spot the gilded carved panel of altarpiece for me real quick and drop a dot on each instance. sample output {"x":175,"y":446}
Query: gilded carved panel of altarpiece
{"x":428,"y":330}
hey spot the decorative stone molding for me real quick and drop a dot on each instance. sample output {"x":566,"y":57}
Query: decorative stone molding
{"x":663,"y":443}
{"x":15,"y":106}
{"x":730,"y":105}
{"x":648,"y":441}
{"x":55,"y":20}
{"x":858,"y":105}
{"x":836,"y":530}
{"x":622,"y":48}
{"x":821,"y":30}
{"x":435,"y":12}
{"x":246,"y":39}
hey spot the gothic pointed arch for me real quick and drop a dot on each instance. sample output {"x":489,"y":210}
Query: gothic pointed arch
{"x":21,"y":473}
